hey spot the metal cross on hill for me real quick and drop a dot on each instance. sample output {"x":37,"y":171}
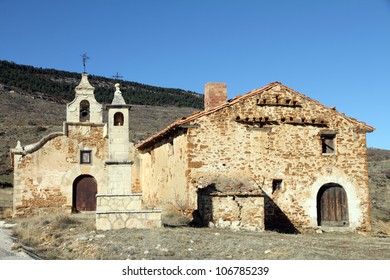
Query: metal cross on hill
{"x":117,"y":76}
{"x":85,"y":58}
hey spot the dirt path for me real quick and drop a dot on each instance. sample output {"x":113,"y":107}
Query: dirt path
{"x":6,"y":253}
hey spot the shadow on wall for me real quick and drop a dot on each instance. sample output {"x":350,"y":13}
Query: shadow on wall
{"x":204,"y":215}
{"x":275,"y":219}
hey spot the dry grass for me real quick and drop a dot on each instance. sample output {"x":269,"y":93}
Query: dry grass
{"x":74,"y":237}
{"x":171,"y":216}
{"x":383,"y":228}
{"x":6,"y":213}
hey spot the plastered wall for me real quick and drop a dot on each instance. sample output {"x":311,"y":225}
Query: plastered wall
{"x":43,"y":180}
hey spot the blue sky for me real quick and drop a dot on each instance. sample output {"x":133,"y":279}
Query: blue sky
{"x":334,"y":51}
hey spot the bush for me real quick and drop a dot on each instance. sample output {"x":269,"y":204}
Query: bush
{"x":174,"y":217}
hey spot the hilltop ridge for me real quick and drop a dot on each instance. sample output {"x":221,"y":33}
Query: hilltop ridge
{"x":58,"y":86}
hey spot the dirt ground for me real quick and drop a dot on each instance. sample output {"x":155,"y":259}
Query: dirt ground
{"x":74,"y":238}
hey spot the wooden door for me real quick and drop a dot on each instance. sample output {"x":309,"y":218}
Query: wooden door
{"x":332,"y":206}
{"x":84,"y":194}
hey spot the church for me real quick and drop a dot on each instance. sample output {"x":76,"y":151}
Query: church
{"x":270,"y":159}
{"x":86,"y":167}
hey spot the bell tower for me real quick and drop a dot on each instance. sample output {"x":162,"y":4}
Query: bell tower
{"x":84,"y":108}
{"x":119,"y":207}
{"x":118,"y":127}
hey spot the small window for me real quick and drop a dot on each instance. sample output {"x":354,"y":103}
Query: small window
{"x":118,"y":119}
{"x":85,"y":157}
{"x":276,"y":185}
{"x":328,"y":143}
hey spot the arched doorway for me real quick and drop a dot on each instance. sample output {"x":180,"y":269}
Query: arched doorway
{"x":332,"y":206}
{"x":84,"y":193}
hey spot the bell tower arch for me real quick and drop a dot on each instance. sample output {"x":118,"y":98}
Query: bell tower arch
{"x":84,"y":108}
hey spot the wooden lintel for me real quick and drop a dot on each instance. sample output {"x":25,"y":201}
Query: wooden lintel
{"x":328,"y":132}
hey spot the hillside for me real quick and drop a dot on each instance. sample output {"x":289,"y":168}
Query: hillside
{"x":58,"y":86}
{"x":33,"y":104}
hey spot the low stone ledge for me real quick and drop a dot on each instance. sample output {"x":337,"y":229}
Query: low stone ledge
{"x":144,"y":219}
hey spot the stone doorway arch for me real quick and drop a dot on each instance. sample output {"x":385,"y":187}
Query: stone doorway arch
{"x":332,"y":206}
{"x":84,"y":193}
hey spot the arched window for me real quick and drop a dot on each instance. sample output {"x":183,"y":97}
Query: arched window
{"x":84,"y":111}
{"x":118,"y":119}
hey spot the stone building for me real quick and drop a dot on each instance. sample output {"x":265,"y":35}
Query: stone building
{"x":87,"y":167}
{"x":302,"y":163}
{"x":270,"y":159}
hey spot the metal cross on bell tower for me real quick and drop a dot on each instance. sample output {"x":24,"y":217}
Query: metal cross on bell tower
{"x":85,"y":58}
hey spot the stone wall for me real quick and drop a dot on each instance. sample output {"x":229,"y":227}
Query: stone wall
{"x":234,"y":211}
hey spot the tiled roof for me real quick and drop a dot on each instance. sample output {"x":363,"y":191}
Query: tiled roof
{"x":149,"y":141}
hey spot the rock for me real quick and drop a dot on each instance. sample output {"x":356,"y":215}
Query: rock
{"x":267,"y":251}
{"x":235,"y":225}
{"x":82,"y":238}
{"x":99,"y":236}
{"x":9,"y":225}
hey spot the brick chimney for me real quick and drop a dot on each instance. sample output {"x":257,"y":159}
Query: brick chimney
{"x":215,"y":94}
